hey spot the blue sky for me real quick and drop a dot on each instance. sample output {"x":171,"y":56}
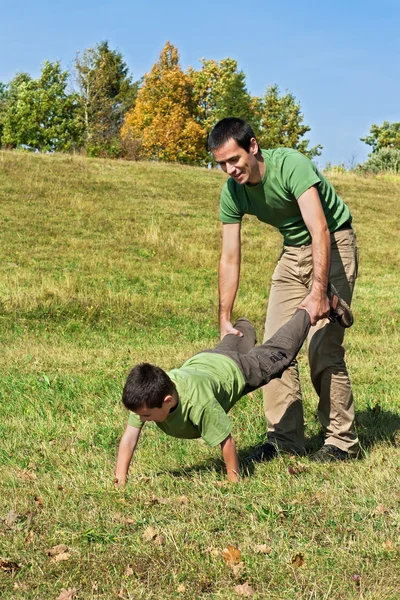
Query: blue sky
{"x":341,"y":60}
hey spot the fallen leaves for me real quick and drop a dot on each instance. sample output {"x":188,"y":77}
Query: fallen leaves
{"x":59,"y":553}
{"x":233,"y":558}
{"x":297,"y":469}
{"x":11,"y":518}
{"x":68,"y":594}
{"x":26,"y":474}
{"x":128,"y":571}
{"x":244,"y":590}
{"x":262,"y":549}
{"x":381,"y":510}
{"x":9,"y":566}
{"x":231,"y":555}
{"x":298,"y":560}
{"x":152,"y":535}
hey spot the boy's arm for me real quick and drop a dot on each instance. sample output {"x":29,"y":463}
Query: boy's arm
{"x":126,"y":449}
{"x":230,"y":457}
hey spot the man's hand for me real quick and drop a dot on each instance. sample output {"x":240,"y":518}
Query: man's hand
{"x":317,"y":306}
{"x":227,"y":327}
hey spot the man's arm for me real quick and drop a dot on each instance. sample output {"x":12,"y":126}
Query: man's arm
{"x":230,"y":457}
{"x":228,"y":276}
{"x":317,"y":303}
{"x":126,"y":449}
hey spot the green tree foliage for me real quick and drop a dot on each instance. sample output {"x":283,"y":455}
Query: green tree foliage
{"x":107,"y":93}
{"x":281,"y":123}
{"x":220,"y":91}
{"x":3,"y":105}
{"x":162,"y":123}
{"x":382,"y":136}
{"x":39,"y":113}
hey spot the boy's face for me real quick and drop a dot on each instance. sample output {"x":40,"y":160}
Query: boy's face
{"x":155,"y":414}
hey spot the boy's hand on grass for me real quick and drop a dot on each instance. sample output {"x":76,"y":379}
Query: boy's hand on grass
{"x":120,"y":481}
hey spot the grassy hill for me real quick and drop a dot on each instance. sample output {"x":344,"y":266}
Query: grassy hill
{"x":105,"y":264}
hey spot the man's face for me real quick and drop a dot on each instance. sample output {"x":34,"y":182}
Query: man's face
{"x":242,"y":166}
{"x":154,"y":414}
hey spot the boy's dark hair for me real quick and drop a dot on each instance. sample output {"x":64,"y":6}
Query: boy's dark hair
{"x":146,"y":385}
{"x":231,"y":128}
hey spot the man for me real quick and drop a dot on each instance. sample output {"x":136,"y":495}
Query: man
{"x":283,"y":188}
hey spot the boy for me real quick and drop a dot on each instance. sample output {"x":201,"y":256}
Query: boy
{"x":193,"y":401}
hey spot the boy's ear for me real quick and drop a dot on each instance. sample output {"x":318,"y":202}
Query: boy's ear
{"x":168,"y":399}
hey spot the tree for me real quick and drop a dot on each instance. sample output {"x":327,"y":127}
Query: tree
{"x":281,"y":123}
{"x":382,"y":136}
{"x":220,"y":91}
{"x":107,"y":93}
{"x":39,"y":113}
{"x":162,"y":121}
{"x":3,"y":106}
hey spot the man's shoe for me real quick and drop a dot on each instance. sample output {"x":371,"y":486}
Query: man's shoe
{"x":340,"y":310}
{"x":329,"y":453}
{"x":265,"y":452}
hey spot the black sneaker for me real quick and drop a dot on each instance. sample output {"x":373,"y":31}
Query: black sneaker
{"x":329,"y":453}
{"x":265,"y":452}
{"x":340,"y":310}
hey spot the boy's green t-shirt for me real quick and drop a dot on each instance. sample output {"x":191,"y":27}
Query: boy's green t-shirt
{"x":288,"y":174}
{"x":208,"y":385}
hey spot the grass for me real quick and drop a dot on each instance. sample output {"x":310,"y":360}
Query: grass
{"x":104,"y":264}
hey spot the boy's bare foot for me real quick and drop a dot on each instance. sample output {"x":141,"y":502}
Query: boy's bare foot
{"x":340,"y":310}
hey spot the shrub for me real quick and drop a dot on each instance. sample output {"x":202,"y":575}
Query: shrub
{"x":383,"y":160}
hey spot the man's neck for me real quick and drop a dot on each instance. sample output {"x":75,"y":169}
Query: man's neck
{"x":259,"y":171}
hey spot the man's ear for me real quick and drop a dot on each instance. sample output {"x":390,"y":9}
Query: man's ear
{"x":254,"y":149}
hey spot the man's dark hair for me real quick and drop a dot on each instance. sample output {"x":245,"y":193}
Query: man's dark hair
{"x":146,"y":385}
{"x":231,"y":128}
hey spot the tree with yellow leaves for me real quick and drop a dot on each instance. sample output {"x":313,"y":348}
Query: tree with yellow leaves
{"x":162,"y":122}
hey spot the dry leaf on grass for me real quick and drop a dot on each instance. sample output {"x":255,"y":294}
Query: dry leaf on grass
{"x":181,"y":589}
{"x":262,"y":549}
{"x":29,"y":537}
{"x":382,"y":510}
{"x":59,"y":553}
{"x":298,"y":560}
{"x":26,"y":475}
{"x":297,"y":469}
{"x":151,"y":535}
{"x":237,"y":570}
{"x":11,"y":518}
{"x":244,"y":590}
{"x":388,"y":545}
{"x":128,"y":571}
{"x":68,"y":594}
{"x":39,"y":501}
{"x":232,"y":555}
{"x":9,"y":566}
{"x":59,"y":549}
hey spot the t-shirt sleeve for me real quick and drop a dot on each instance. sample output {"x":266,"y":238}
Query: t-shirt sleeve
{"x":214,"y":424}
{"x":134,"y":420}
{"x":298,"y":174}
{"x":229,"y":209}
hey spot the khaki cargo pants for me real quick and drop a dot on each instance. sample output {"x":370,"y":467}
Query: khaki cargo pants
{"x":282,"y":397}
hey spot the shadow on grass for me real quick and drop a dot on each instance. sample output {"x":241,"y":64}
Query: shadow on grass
{"x":373,"y":426}
{"x":217,"y":465}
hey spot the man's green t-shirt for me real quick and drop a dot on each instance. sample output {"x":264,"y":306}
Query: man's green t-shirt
{"x":208,"y":385}
{"x":288,"y":174}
